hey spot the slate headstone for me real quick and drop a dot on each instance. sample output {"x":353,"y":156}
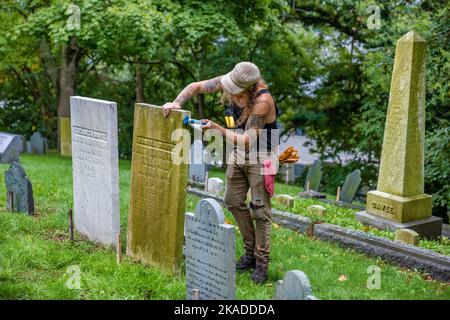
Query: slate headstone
{"x":294,"y":286}
{"x":350,"y":186}
{"x":10,"y":147}
{"x":210,"y":253}
{"x":197,"y":165}
{"x":95,"y":169}
{"x":216,"y":186}
{"x":19,"y":191}
{"x":314,"y":175}
{"x":37,"y":143}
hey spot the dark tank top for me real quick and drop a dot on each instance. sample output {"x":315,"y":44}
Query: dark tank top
{"x":237,"y":111}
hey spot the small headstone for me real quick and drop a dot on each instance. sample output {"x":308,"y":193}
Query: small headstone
{"x":197,"y":165}
{"x":314,"y":175}
{"x":19,"y":192}
{"x":407,"y":236}
{"x":37,"y":143}
{"x":294,"y":286}
{"x":284,"y":200}
{"x":216,"y":186}
{"x":29,"y":148}
{"x":10,"y":147}
{"x":350,"y":186}
{"x":290,"y":173}
{"x":209,"y":252}
{"x":95,"y":169}
{"x":317,"y":209}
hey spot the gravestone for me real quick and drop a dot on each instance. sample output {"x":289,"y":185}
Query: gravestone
{"x":407,"y":236}
{"x":95,"y":169}
{"x":197,"y":165}
{"x":350,"y":186}
{"x":10,"y":147}
{"x":284,"y":200}
{"x":313,"y":176}
{"x":216,"y":186}
{"x":158,"y":189}
{"x":294,"y":286}
{"x":210,"y":252}
{"x":400,"y":201}
{"x":19,"y":191}
{"x":37,"y":143}
{"x":317,"y":209}
{"x":289,"y":173}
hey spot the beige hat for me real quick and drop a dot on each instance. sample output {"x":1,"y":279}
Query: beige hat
{"x":243,"y":76}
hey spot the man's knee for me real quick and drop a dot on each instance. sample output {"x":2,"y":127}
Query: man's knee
{"x":259,"y":212}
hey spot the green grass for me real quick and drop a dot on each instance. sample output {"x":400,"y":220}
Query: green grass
{"x":35,"y":254}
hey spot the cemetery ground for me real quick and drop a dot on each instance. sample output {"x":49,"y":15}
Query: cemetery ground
{"x":35,"y":252}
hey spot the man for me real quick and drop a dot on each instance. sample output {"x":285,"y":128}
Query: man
{"x":254,"y":110}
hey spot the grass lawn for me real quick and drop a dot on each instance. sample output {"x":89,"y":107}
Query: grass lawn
{"x":35,"y":254}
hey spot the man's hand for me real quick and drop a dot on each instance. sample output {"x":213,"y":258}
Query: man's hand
{"x":170,"y":105}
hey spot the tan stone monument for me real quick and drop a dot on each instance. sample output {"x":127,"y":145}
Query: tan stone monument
{"x":399,"y":201}
{"x":158,"y":190}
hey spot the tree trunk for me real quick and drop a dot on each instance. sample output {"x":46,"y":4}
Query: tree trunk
{"x":67,"y":78}
{"x":139,"y":78}
{"x":200,"y":105}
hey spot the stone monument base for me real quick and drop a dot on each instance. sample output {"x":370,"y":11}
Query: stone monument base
{"x":429,"y":228}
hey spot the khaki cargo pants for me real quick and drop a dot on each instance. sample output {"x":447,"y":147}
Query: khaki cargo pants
{"x":255,"y":219}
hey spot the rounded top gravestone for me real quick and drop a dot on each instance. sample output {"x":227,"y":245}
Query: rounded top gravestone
{"x":294,"y":286}
{"x":210,"y":210}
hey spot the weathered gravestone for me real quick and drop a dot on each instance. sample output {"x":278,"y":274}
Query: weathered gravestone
{"x":197,"y":165}
{"x":294,"y":286}
{"x":19,"y":192}
{"x":399,"y":201}
{"x":10,"y":147}
{"x":216,"y":186}
{"x":38,"y":143}
{"x":407,"y":236}
{"x":284,"y":200}
{"x":350,"y":186}
{"x":95,"y":169}
{"x":313,"y":176}
{"x":209,"y":252}
{"x":158,"y":189}
{"x":317,"y":209}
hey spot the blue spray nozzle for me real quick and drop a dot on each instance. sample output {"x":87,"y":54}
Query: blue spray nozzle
{"x":187,"y":120}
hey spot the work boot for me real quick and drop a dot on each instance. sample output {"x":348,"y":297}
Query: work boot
{"x":260,"y":275}
{"x":246,"y":263}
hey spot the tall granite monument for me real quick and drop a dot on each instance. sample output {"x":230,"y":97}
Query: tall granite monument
{"x":158,"y":189}
{"x":400,"y":201}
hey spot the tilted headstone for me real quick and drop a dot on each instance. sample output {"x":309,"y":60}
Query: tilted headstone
{"x":210,"y":253}
{"x":10,"y":147}
{"x":294,"y":286}
{"x":37,"y":143}
{"x":19,"y":191}
{"x":400,"y":196}
{"x":197,"y":165}
{"x":158,"y":189}
{"x":95,"y":166}
{"x":216,"y":186}
{"x":350,"y":186}
{"x":314,"y":175}
{"x":284,"y":200}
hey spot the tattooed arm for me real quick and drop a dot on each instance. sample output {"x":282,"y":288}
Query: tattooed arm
{"x":206,"y":86}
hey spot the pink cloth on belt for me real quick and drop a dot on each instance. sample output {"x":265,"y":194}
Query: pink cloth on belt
{"x":269,"y":177}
